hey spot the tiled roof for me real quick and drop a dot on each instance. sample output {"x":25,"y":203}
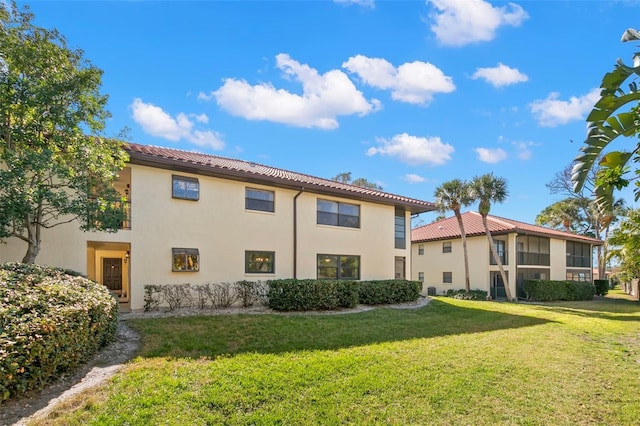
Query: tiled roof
{"x":448,"y":228}
{"x":212,"y":165}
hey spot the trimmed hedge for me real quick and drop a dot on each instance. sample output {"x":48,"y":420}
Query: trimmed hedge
{"x":51,"y":320}
{"x":388,"y":291}
{"x":602,"y":287}
{"x":549,"y":290}
{"x":307,"y":295}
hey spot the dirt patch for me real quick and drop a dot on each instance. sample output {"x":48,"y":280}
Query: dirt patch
{"x":110,"y":359}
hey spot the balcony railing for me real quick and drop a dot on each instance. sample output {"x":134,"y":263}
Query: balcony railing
{"x":126,"y":224}
{"x":504,"y":258}
{"x":578,"y":261}
{"x":531,"y":258}
{"x":116,"y":205}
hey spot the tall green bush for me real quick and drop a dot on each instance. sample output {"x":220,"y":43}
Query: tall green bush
{"x":602,"y":287}
{"x":50,"y":321}
{"x":550,"y":290}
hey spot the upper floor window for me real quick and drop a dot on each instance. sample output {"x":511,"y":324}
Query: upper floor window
{"x":446,"y":247}
{"x":578,"y":254}
{"x":258,"y":199}
{"x":400,"y":229}
{"x":186,"y":188}
{"x":185,"y":260}
{"x":338,"y":267}
{"x":533,"y":250}
{"x":420,"y":249}
{"x":338,"y":214}
{"x":259,"y":262}
{"x":501,"y":249}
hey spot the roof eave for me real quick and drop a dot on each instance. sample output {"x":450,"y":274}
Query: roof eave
{"x":143,"y":159}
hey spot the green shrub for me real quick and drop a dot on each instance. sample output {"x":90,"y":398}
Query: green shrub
{"x":388,"y":291}
{"x":463,"y":295}
{"x":347,"y":293}
{"x":549,"y":290}
{"x":601,"y":287}
{"x":583,"y":291}
{"x":50,"y":321}
{"x":303,"y":295}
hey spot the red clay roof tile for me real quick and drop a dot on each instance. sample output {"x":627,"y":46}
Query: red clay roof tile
{"x":246,"y":170}
{"x":448,"y":229}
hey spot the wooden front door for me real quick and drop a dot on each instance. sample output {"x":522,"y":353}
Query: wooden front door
{"x":112,"y":273}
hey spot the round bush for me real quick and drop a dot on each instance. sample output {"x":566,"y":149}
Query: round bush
{"x":51,"y":320}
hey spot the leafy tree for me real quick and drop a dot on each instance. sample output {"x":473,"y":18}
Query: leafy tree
{"x":625,"y":245}
{"x":453,"y":195}
{"x":361,"y":182}
{"x":566,"y":215}
{"x":487,"y":189}
{"x":51,"y":171}
{"x":581,"y":211}
{"x":615,"y":114}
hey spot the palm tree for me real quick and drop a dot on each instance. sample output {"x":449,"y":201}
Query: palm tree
{"x":489,"y":189}
{"x":453,"y":195}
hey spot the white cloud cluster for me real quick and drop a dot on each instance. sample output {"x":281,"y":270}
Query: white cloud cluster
{"x":500,"y":75}
{"x":324,"y":98}
{"x":413,"y":178}
{"x":524,"y":149}
{"x":491,"y":155}
{"x":156,"y":122}
{"x":365,"y":3}
{"x":412,"y":82}
{"x":552,"y":112}
{"x":461,"y":22}
{"x":414,"y":150}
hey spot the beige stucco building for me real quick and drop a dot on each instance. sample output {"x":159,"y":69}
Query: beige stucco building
{"x":526,"y":251}
{"x":196,"y":218}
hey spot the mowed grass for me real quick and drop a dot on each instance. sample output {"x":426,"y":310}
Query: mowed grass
{"x":450,"y":362}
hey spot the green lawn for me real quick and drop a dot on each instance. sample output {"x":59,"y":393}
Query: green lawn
{"x":451,"y":362}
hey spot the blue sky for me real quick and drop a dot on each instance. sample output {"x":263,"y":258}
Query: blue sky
{"x":406,"y":94}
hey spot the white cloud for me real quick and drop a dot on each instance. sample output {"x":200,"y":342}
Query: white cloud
{"x":202,"y":118}
{"x":461,"y":22}
{"x":365,"y":3}
{"x":413,"y":178}
{"x":524,"y":149}
{"x":156,"y":122}
{"x":552,"y":112}
{"x":412,"y":82}
{"x":324,"y":98}
{"x":414,"y":150}
{"x":500,"y":75}
{"x":491,"y":155}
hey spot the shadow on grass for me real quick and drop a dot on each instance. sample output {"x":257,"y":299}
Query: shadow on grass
{"x":600,"y":307}
{"x":211,"y":336}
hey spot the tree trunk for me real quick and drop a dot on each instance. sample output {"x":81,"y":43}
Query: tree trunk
{"x":33,"y":237}
{"x":599,"y":255}
{"x":467,"y":285}
{"x":494,"y":252}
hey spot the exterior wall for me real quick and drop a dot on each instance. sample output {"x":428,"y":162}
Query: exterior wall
{"x":221,"y":229}
{"x":558,"y":259}
{"x":434,"y":262}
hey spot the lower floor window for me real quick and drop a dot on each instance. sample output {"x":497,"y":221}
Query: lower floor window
{"x":421,"y":277}
{"x":340,"y":267}
{"x":259,"y":262}
{"x":185,"y":260}
{"x":447,"y":277}
{"x":578,"y":275}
